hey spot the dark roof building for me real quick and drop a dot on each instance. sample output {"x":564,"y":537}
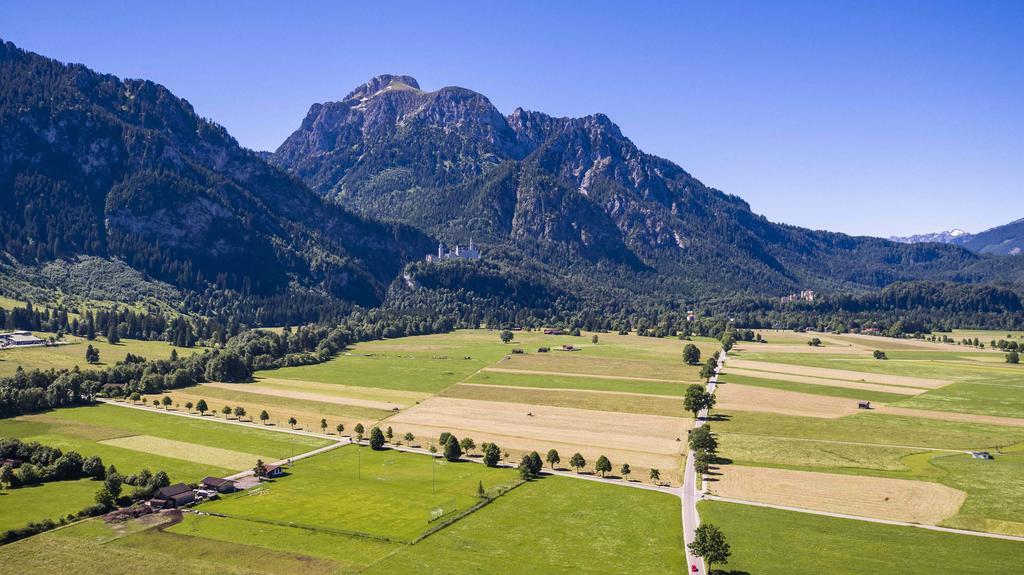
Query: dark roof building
{"x":173,"y":496}
{"x":219,"y":485}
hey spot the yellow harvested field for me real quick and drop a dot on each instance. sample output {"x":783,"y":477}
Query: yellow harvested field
{"x":643,"y":441}
{"x":847,"y":374}
{"x":309,"y":396}
{"x":734,"y":396}
{"x":822,"y":381}
{"x":951,"y":416}
{"x":397,"y":396}
{"x":877,"y":497}
{"x":187,"y":451}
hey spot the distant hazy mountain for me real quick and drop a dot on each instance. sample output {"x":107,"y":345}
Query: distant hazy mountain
{"x":1002,"y":240}
{"x":577,"y":194}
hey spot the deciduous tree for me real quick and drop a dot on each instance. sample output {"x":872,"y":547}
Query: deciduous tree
{"x":709,"y":543}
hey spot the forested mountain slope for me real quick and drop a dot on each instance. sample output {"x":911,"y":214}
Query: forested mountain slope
{"x":93,"y":165}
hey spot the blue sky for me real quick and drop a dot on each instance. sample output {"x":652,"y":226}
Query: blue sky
{"x":863,"y":117}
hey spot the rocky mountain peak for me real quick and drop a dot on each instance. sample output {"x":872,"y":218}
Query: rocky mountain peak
{"x":382,"y":83}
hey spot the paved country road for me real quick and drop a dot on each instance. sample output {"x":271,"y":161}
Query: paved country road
{"x":690,"y":495}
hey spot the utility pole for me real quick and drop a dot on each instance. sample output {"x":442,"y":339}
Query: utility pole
{"x":359,"y":463}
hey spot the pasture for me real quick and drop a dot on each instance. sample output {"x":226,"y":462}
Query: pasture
{"x":67,"y":356}
{"x":776,"y":542}
{"x":51,"y":500}
{"x":387,"y":493}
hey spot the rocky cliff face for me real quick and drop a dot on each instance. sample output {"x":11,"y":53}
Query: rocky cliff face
{"x":569,"y":190}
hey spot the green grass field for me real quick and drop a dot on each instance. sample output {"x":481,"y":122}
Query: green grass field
{"x":84,"y":429}
{"x":351,"y":554}
{"x":93,"y":548}
{"x":874,"y":428}
{"x":45,"y":501}
{"x":72,"y":354}
{"x":770,"y":541}
{"x":555,"y":525}
{"x":383,"y":493}
{"x":581,"y":383}
{"x":430,"y":363}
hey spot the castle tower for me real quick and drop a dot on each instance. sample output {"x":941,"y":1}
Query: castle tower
{"x":440,"y":250}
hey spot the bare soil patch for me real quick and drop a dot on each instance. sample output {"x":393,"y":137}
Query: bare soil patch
{"x":734,"y":396}
{"x":845,"y":374}
{"x":877,"y":497}
{"x":822,"y":381}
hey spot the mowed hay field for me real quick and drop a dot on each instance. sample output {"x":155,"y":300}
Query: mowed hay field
{"x":188,"y":449}
{"x":67,"y":356}
{"x":877,"y":497}
{"x":776,"y":542}
{"x":643,"y":441}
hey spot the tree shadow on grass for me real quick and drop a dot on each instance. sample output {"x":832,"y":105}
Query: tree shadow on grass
{"x":718,"y":417}
{"x":730,"y":572}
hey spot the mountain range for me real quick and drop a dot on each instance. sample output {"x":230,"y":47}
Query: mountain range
{"x":1007,"y":239}
{"x":92,"y":166}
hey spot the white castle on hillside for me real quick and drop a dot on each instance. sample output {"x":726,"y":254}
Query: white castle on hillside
{"x":459,"y":253}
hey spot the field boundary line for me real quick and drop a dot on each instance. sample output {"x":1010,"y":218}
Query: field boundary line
{"x":861,"y":518}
